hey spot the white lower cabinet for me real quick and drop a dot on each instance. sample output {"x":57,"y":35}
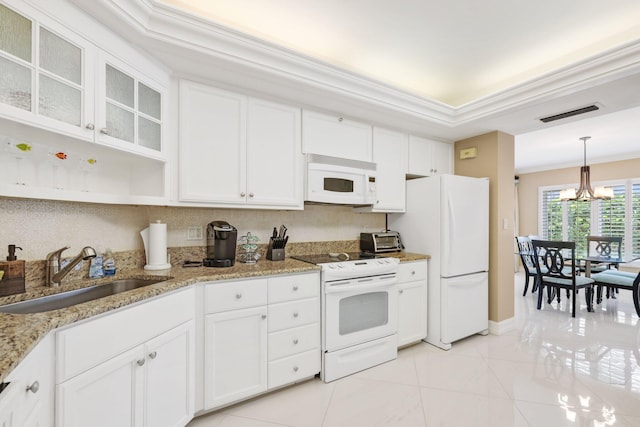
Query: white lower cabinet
{"x":28,"y":399}
{"x":235,"y":355}
{"x":412,"y":302}
{"x":259,"y":334}
{"x":149,"y":384}
{"x":294,"y":329}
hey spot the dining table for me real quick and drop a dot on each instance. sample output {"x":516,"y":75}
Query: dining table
{"x":588,"y":260}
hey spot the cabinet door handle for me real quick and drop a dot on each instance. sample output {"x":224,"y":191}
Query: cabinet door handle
{"x":33,"y":388}
{"x":295,"y":314}
{"x":242,"y":194}
{"x":295,"y":288}
{"x":295,"y":369}
{"x":295,"y":341}
{"x":250,"y":194}
{"x":413,"y":273}
{"x":153,"y":355}
{"x":264,"y":316}
{"x":104,"y":131}
{"x":238,"y":295}
{"x":401,"y":291}
{"x":90,"y":126}
{"x":140,"y":362}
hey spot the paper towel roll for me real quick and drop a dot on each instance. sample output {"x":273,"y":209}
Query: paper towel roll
{"x":154,"y":238}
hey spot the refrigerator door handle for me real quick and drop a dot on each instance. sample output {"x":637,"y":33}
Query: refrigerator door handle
{"x":451,"y":226}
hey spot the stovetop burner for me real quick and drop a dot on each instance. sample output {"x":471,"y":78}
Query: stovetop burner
{"x":325,"y":258}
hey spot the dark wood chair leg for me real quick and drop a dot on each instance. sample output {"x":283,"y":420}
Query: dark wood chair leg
{"x":599,"y":294}
{"x":573,"y":302}
{"x":540,"y":292}
{"x":526,"y":284}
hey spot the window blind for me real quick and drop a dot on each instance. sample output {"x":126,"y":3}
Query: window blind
{"x":551,"y":215}
{"x":635,"y":220}
{"x":579,"y":225}
{"x":611,"y":218}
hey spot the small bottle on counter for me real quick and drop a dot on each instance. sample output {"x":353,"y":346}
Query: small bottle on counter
{"x":109,"y":265}
{"x":12,"y":273}
{"x":96,"y":267}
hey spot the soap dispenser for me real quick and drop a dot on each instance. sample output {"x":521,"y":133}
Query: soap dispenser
{"x":12,"y":273}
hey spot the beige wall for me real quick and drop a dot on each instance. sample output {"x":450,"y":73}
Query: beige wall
{"x":530,"y":182}
{"x":495,"y":161}
{"x":40,"y":226}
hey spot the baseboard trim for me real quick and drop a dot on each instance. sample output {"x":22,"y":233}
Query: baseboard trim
{"x":502,"y":327}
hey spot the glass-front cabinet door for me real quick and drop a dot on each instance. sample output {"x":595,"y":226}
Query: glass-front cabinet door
{"x":131,"y":107}
{"x":44,"y":73}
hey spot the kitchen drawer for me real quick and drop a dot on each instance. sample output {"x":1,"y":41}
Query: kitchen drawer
{"x":235,"y":295}
{"x":299,"y":286}
{"x":293,"y":341}
{"x":78,"y":347}
{"x":294,"y":368}
{"x":295,"y":313}
{"x":412,"y":271}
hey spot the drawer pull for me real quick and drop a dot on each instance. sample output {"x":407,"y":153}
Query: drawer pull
{"x":401,"y":291}
{"x":295,"y":288}
{"x":264,"y":316}
{"x":413,"y":273}
{"x":33,"y":388}
{"x":295,"y":369}
{"x":295,"y":314}
{"x":295,"y":341}
{"x":238,"y":295}
{"x":153,"y":355}
{"x":140,"y":362}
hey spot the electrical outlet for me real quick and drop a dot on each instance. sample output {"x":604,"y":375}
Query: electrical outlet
{"x":195,"y":232}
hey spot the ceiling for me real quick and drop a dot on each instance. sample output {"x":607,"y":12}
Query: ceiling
{"x":449,"y":70}
{"x":457,"y":52}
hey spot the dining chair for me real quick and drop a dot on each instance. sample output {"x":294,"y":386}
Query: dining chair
{"x":553,"y":271}
{"x":528,"y":263}
{"x":608,"y":248}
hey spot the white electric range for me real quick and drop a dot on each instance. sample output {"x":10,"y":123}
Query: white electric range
{"x":359,"y":312}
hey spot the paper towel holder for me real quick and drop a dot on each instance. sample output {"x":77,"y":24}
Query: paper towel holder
{"x":155,"y":242}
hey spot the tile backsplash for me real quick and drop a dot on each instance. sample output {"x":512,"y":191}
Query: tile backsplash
{"x":41,"y":226}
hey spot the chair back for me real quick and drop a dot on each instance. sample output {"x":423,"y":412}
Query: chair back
{"x":526,"y":254}
{"x":551,"y":258}
{"x":606,"y":247}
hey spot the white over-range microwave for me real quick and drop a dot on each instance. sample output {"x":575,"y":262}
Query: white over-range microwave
{"x":340,"y":181}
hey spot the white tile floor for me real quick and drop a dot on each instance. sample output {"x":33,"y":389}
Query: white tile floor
{"x":551,"y":371}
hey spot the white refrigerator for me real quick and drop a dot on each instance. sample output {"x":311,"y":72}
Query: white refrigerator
{"x":447,"y":217}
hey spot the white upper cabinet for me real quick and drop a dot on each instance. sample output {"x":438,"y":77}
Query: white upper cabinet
{"x":46,"y":73}
{"x":78,"y":122}
{"x":239,"y":151}
{"x":274,"y":158}
{"x":131,"y":108}
{"x":336,"y":136}
{"x":427,"y":158}
{"x":390,"y":154}
{"x":212,"y":149}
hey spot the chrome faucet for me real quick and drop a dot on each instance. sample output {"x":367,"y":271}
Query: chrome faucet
{"x":54,"y":273}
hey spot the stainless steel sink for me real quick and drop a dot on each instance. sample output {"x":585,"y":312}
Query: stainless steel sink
{"x":77,"y":296}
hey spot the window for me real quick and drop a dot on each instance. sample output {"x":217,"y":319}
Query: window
{"x":635,"y":220}
{"x":574,"y":221}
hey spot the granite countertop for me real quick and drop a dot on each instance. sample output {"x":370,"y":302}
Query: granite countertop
{"x":19,"y":333}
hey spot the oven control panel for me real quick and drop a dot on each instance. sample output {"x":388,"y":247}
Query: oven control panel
{"x":359,"y":268}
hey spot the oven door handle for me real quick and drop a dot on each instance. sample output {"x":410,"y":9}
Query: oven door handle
{"x":371,"y":284}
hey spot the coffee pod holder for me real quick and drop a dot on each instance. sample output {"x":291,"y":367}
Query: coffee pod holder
{"x":249,"y":249}
{"x":275,"y":250}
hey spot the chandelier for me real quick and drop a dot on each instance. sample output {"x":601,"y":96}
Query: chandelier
{"x":585,"y":193}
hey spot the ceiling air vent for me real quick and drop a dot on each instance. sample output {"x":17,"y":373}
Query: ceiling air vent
{"x":569,"y":113}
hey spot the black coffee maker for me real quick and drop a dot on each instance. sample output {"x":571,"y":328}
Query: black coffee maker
{"x":221,"y":244}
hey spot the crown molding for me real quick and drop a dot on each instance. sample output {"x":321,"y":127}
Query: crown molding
{"x":160,"y":27}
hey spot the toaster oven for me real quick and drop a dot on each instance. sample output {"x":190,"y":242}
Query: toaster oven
{"x":385,"y":241}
